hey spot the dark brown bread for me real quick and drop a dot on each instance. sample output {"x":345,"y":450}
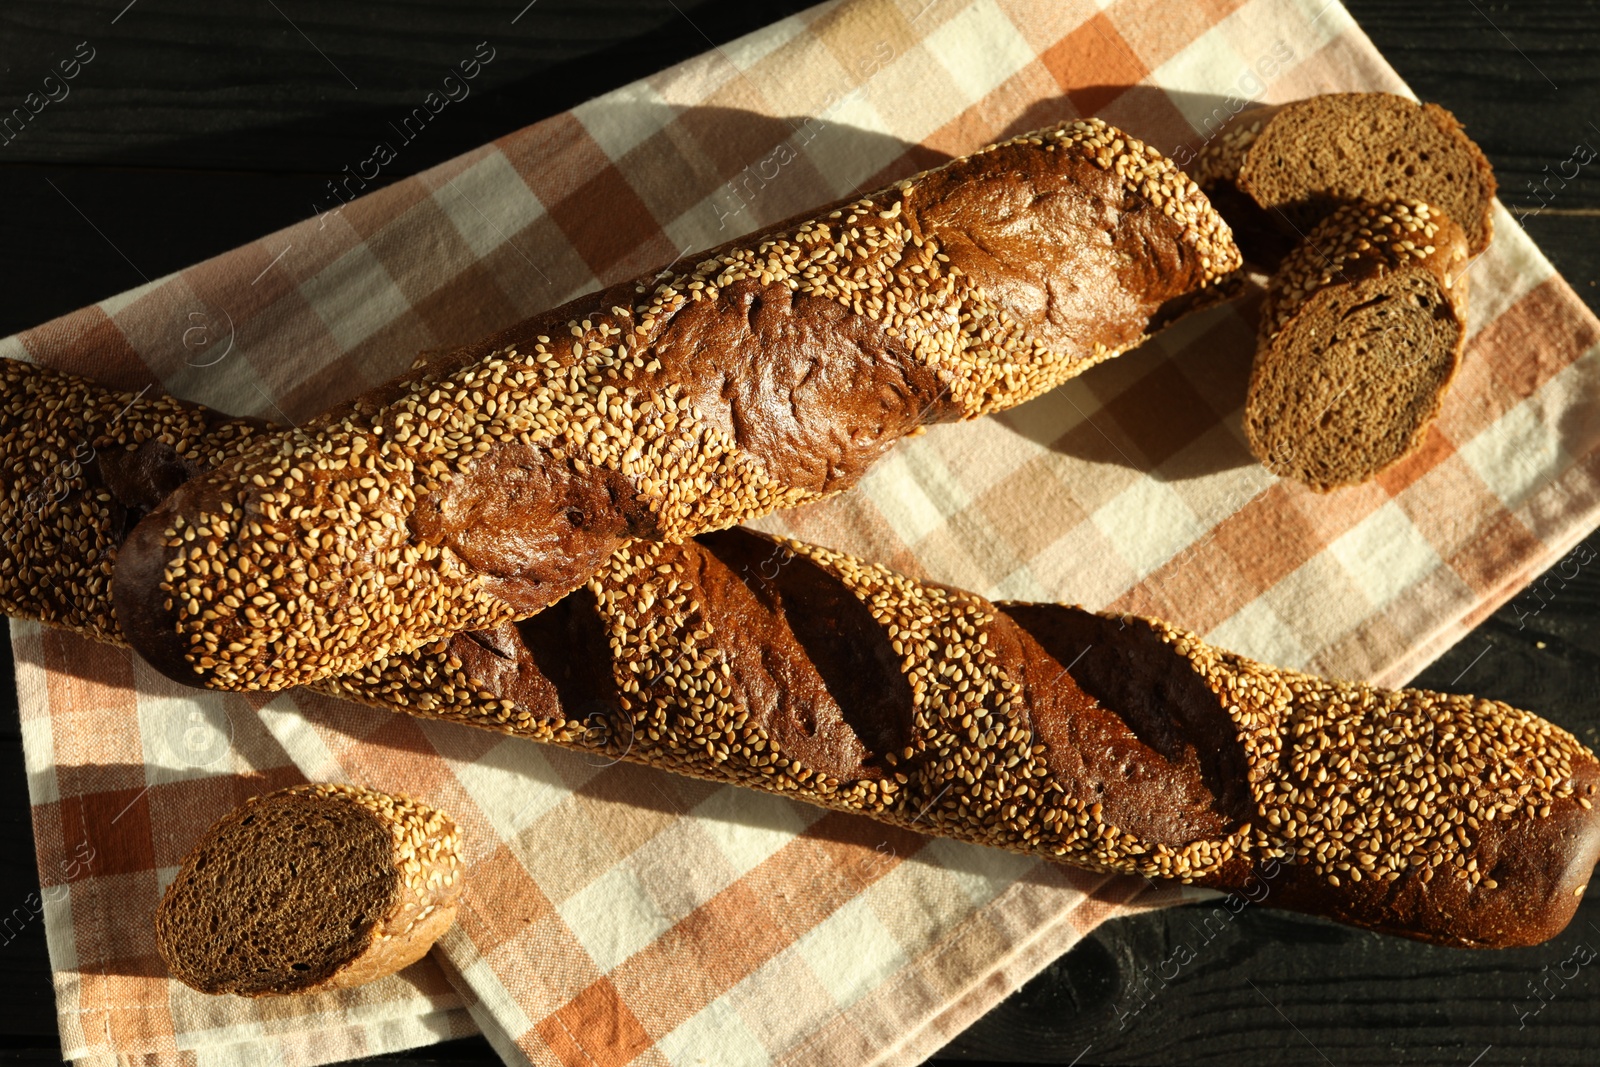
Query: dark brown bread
{"x":1361,"y":334}
{"x":311,"y":888}
{"x":1118,"y":743}
{"x":1288,"y":167}
{"x":760,"y":375}
{"x":1114,"y":742}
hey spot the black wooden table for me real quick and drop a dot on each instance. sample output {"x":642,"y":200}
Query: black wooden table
{"x":196,"y":127}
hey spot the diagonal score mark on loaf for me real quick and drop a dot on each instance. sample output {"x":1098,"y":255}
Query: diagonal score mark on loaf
{"x":495,"y":479}
{"x":1009,"y":749}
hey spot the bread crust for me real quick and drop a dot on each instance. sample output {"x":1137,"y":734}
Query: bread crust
{"x":767,"y":373}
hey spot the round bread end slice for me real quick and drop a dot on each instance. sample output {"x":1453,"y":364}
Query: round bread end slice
{"x":311,"y":888}
{"x":1310,"y":156}
{"x":1361,"y":334}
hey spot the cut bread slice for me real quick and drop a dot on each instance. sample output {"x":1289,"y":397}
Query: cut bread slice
{"x":1293,"y":164}
{"x":1361,"y":333}
{"x":310,"y":888}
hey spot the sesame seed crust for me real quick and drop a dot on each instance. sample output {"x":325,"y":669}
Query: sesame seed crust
{"x":79,"y":464}
{"x":1424,"y":814}
{"x":354,"y":535}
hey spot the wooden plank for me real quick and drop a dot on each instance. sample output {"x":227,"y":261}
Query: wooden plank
{"x":302,"y":86}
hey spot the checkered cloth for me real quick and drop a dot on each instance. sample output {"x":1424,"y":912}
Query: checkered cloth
{"x":615,"y":914}
{"x":125,"y":772}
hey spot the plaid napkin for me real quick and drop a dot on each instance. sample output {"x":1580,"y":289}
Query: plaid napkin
{"x":125,"y":772}
{"x":616,"y":914}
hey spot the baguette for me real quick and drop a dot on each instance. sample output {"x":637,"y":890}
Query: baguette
{"x":1280,"y":170}
{"x":1113,"y":742}
{"x":485,"y":485}
{"x":308,"y":889}
{"x":1362,"y":332}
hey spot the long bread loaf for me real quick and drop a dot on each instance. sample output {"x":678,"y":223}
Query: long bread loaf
{"x":1117,"y":743}
{"x":1114,"y":742}
{"x":766,"y":373}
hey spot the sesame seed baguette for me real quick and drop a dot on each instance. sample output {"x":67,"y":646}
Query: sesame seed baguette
{"x":763,"y":374}
{"x":1362,"y":332}
{"x":1279,"y":170}
{"x":308,"y":889}
{"x":1112,"y":742}
{"x":79,"y":466}
{"x":771,"y":664}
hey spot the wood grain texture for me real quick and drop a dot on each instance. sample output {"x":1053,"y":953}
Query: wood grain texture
{"x":196,"y":128}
